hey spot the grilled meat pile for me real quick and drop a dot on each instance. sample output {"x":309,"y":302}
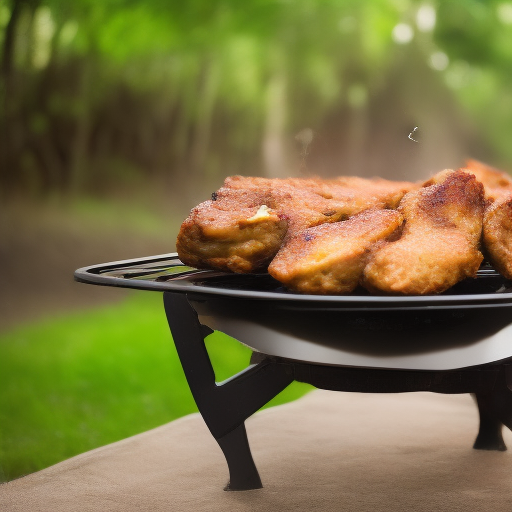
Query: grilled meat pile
{"x":330,"y":236}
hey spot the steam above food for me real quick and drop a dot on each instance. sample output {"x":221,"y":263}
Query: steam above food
{"x":331,"y":236}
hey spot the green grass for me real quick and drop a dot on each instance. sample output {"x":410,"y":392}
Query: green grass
{"x":85,"y":380}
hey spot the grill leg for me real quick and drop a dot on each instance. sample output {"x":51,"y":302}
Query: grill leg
{"x":495,"y":409}
{"x":243,"y":474}
{"x":225,"y":406}
{"x":489,"y":434}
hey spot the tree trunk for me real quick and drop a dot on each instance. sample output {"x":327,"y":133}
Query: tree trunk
{"x":274,"y":153}
{"x":9,"y":127}
{"x":9,"y":40}
{"x":79,"y":148}
{"x":204,"y":116}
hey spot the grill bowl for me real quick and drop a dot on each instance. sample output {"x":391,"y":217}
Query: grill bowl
{"x":468,"y":325}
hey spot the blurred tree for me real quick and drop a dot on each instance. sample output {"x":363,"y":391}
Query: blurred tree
{"x":98,"y":94}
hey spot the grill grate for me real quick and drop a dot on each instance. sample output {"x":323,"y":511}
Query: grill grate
{"x":167,"y":273}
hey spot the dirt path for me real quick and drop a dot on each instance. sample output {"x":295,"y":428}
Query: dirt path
{"x":41,"y":247}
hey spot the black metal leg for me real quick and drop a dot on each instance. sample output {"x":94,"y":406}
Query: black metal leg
{"x":243,"y":474}
{"x":489,"y":434}
{"x":224,"y":406}
{"x":500,"y":400}
{"x":495,"y":410}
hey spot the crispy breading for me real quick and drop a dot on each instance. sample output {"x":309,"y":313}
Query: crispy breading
{"x":390,"y":193}
{"x":348,"y":194}
{"x":330,"y":258}
{"x":439,"y":242}
{"x":497,"y":226}
{"x":240,"y":240}
{"x":497,"y":184}
{"x":497,"y":235}
{"x":216,"y":234}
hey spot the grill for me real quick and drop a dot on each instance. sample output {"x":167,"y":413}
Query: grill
{"x":456,"y":342}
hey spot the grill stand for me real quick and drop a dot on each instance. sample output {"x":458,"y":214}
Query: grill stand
{"x":225,"y":406}
{"x":489,"y":434}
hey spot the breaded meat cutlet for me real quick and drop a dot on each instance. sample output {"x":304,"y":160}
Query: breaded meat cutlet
{"x":296,"y":200}
{"x":324,"y":202}
{"x":439,"y":242}
{"x":242,"y":227}
{"x":497,"y":184}
{"x":497,"y":226}
{"x":241,"y":241}
{"x":330,"y":258}
{"x":387,"y":193}
{"x":497,"y":235}
{"x":234,"y":232}
{"x":347,"y":195}
{"x":226,"y":234}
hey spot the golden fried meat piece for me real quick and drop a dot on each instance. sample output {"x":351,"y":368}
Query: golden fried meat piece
{"x":297,"y":200}
{"x":241,"y":240}
{"x":330,"y":258}
{"x":379,"y":192}
{"x":241,"y":228}
{"x":217,"y":234}
{"x":497,"y":235}
{"x":497,"y":227}
{"x":309,"y":202}
{"x":439,"y":242}
{"x":497,"y":184}
{"x":387,"y":193}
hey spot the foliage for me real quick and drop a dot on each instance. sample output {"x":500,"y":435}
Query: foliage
{"x":199,"y":89}
{"x":89,"y":379}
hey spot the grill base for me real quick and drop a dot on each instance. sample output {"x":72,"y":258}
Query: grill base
{"x":225,"y":406}
{"x":425,"y":339}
